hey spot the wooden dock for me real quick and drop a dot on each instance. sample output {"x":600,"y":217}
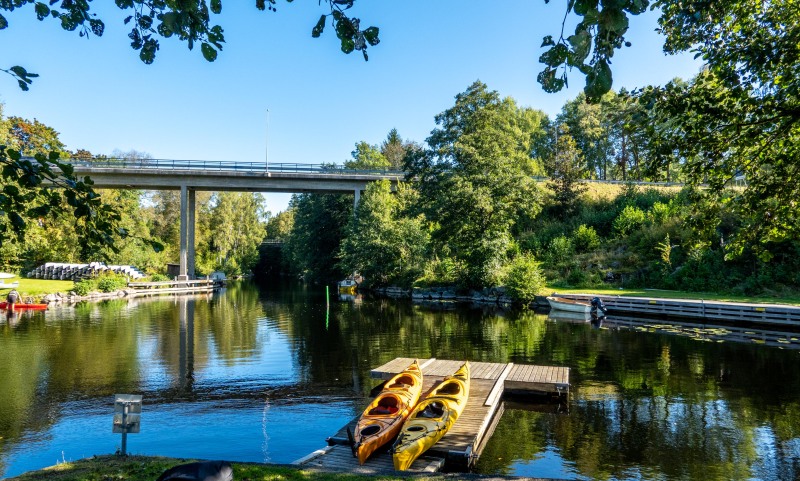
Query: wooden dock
{"x":135,"y":289}
{"x":771,"y":314}
{"x":460,"y":448}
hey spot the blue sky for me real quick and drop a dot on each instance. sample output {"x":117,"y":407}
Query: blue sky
{"x":100,"y":97}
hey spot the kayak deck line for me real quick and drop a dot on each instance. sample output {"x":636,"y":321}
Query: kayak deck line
{"x":460,"y":448}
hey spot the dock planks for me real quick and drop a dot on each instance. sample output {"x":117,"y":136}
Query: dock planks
{"x":463,"y":444}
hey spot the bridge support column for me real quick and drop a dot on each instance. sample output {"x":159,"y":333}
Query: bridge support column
{"x":187,"y":234}
{"x":190,"y":236}
{"x":355,"y":203}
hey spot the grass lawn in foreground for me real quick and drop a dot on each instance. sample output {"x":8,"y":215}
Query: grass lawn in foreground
{"x":658,"y":293}
{"x":38,"y":287}
{"x":149,"y":468}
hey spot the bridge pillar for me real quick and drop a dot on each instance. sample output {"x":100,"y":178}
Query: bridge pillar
{"x":355,"y":203}
{"x":187,"y":233}
{"x":190,"y":227}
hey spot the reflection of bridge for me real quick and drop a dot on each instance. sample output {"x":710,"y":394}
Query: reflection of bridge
{"x":189,"y":176}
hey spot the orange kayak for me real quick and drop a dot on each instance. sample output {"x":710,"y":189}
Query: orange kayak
{"x":35,"y":307}
{"x":383,"y":418}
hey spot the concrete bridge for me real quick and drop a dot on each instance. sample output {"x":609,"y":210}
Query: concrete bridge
{"x":190,"y":176}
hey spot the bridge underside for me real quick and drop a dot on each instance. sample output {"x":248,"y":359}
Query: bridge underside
{"x":229,"y":181}
{"x":191,"y":180}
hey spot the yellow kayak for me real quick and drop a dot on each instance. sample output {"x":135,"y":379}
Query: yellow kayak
{"x":432,"y":418}
{"x":384,"y":417}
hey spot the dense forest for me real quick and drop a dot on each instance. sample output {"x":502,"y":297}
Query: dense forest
{"x":476,"y":212}
{"x":498,"y":194}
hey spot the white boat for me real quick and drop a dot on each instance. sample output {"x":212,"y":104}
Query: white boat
{"x":13,"y":285}
{"x":348,"y":286}
{"x":569,"y":305}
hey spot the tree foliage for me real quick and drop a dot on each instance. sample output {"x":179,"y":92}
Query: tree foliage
{"x":739,"y":118}
{"x":188,"y":21}
{"x":29,"y":169}
{"x":476,"y":179}
{"x":384,"y":243}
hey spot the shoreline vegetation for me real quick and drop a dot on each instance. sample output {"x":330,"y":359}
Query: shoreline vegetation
{"x":148,"y":468}
{"x":40,"y":289}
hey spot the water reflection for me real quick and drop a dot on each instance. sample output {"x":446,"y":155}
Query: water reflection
{"x":239,"y":375}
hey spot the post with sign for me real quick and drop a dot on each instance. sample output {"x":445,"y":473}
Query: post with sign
{"x":127,"y":416}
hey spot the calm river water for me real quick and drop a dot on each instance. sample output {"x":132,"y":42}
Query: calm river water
{"x":263,"y":374}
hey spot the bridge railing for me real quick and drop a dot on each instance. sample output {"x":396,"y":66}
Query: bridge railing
{"x":223,"y":165}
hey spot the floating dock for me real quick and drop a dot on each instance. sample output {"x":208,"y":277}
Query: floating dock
{"x":772,"y":314}
{"x":460,"y":448}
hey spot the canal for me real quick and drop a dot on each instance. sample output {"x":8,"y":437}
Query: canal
{"x":266,"y":373}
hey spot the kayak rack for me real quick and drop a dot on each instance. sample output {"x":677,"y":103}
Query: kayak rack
{"x":460,"y":448}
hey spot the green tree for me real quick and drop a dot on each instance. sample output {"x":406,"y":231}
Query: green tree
{"x":238,"y":229}
{"x":566,"y":172}
{"x":384,"y":243}
{"x":366,"y":156}
{"x":740,"y":118}
{"x":476,"y":179}
{"x":27,"y":196}
{"x":314,"y":245}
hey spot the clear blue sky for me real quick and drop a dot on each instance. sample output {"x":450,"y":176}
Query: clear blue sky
{"x":101,"y":97}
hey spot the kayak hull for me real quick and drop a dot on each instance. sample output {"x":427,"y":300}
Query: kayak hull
{"x":383,"y":418}
{"x":18,"y":306}
{"x":432,"y":418}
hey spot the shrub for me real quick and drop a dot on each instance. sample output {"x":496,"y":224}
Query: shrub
{"x":524,"y":279}
{"x":85,"y":286}
{"x":560,"y":250}
{"x":111,"y":282}
{"x":159,"y":278}
{"x":629,"y":219}
{"x":586,"y":238}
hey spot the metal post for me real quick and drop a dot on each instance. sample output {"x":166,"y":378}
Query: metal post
{"x":267,"y":140}
{"x":125,"y":429}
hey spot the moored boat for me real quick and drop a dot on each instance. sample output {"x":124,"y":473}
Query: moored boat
{"x":570,"y":305}
{"x":35,"y":307}
{"x":383,"y":418}
{"x":432,"y":418}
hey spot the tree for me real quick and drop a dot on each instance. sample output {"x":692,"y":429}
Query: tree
{"x":566,"y":172}
{"x":314,"y":245}
{"x":27,"y":195}
{"x":383,"y":242}
{"x":740,"y":118}
{"x":476,"y":179}
{"x":366,"y":156}
{"x":238,"y":230}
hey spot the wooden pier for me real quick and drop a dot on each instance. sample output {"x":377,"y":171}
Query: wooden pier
{"x":135,"y":289}
{"x":460,"y":448}
{"x":768,"y":314}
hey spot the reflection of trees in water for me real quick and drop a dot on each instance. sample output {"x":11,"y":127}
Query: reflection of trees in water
{"x":664,"y":408}
{"x":362,"y":336}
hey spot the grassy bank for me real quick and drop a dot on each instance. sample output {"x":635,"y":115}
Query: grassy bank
{"x":148,"y":468}
{"x":39,"y":287}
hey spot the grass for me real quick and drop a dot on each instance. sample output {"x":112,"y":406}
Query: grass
{"x":708,"y":296}
{"x":38,"y":287}
{"x":148,"y":468}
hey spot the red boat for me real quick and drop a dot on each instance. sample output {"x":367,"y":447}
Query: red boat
{"x":34,"y":307}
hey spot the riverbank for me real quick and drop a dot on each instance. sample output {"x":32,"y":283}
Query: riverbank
{"x":53,"y":291}
{"x":149,"y":468}
{"x":498,"y":295}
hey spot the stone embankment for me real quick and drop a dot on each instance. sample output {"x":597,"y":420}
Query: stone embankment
{"x":493,"y":295}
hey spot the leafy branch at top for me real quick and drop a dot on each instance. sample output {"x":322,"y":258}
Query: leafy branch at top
{"x":189,"y":21}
